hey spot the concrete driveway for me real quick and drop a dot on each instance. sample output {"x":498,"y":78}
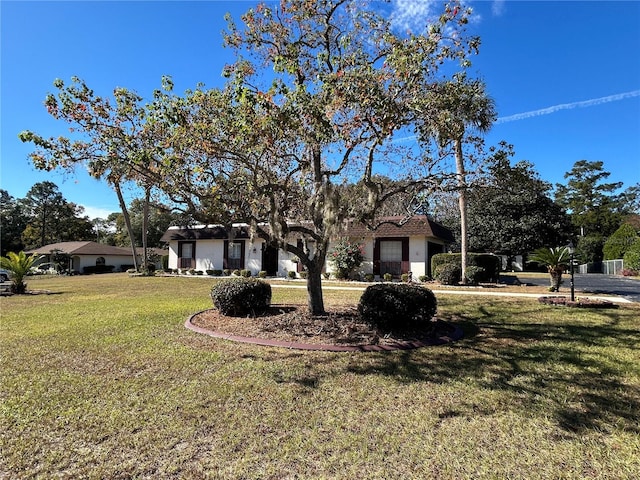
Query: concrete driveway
{"x":594,"y":283}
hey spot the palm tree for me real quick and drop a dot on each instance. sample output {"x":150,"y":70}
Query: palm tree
{"x":19,"y":264}
{"x":556,"y":260}
{"x":459,"y":104}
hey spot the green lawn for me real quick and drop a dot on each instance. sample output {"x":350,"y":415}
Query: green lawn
{"x":102,"y":380}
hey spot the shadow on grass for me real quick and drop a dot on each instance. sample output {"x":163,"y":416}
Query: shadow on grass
{"x":574,"y":372}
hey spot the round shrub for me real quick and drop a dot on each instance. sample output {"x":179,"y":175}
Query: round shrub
{"x":448,"y":274}
{"x":397,"y":305}
{"x":474,"y":275}
{"x":241,"y":296}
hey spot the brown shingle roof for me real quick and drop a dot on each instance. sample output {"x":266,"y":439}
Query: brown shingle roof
{"x":81,"y":248}
{"x":394,"y":227}
{"x":200,"y":232}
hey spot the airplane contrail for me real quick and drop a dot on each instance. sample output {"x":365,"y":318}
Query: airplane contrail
{"x":567,"y":106}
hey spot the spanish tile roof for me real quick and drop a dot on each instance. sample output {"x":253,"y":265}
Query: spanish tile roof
{"x":81,"y":248}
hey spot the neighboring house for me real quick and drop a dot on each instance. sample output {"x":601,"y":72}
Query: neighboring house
{"x":89,"y":254}
{"x":389,"y":249}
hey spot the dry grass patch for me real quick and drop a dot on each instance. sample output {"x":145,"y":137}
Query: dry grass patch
{"x":103,"y":381}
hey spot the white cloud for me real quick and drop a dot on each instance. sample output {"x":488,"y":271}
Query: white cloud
{"x":97,"y":212}
{"x":497,"y":7}
{"x":567,"y":106}
{"x":412,"y":15}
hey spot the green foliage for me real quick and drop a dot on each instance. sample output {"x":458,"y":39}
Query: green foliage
{"x":241,"y":296}
{"x":209,"y":272}
{"x":632,"y":256}
{"x":245,"y":273}
{"x":489,"y":263}
{"x":397,"y":305}
{"x":512,"y":212}
{"x":226,"y":272}
{"x":369,"y":277}
{"x":236,"y":273}
{"x":595,"y":207}
{"x":346,"y":257}
{"x":423,"y":278}
{"x":262,"y":274}
{"x":619,"y":242}
{"x":556,"y":260}
{"x":387,"y":277}
{"x":404,"y":277}
{"x":474,"y":275}
{"x":165,"y":262}
{"x":292,"y":274}
{"x":448,"y":273}
{"x":19,"y":264}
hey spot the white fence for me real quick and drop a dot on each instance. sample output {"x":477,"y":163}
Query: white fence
{"x":608,"y":267}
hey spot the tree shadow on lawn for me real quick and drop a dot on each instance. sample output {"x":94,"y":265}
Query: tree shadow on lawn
{"x":566,"y":368}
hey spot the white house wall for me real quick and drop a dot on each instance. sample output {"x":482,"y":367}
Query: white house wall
{"x":81,"y":261}
{"x":209,"y":256}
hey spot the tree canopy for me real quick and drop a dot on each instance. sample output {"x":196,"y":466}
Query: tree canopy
{"x":313,"y":101}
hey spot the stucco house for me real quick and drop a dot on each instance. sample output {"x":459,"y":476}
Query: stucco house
{"x":89,"y":254}
{"x":392,"y":248}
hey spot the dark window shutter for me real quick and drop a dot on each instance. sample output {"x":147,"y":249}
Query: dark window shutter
{"x":376,"y":257}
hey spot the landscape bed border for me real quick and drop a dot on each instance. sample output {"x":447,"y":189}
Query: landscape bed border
{"x":456,"y":334}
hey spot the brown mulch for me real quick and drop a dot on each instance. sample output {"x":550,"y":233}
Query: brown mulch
{"x":577,"y":303}
{"x":293,"y":323}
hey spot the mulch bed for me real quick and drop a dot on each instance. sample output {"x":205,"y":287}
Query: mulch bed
{"x":340,"y":327}
{"x":577,"y":303}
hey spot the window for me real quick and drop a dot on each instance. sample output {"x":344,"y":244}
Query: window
{"x":391,"y":251}
{"x":186,"y":255}
{"x":100,"y":261}
{"x":235,"y":251}
{"x":233,"y":255}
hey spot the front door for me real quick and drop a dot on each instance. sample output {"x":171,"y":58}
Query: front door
{"x":270,"y":260}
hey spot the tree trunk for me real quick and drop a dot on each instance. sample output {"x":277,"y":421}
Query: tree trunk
{"x":462,"y":204}
{"x":556,"y":278}
{"x":315,"y":300}
{"x":145,"y":228}
{"x":127,"y":222}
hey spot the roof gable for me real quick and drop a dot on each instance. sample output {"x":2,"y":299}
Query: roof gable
{"x":81,"y":248}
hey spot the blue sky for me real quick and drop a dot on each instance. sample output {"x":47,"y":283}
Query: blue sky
{"x":565,"y":75}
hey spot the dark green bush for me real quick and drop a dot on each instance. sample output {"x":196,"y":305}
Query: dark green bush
{"x":490,"y":263}
{"x":226,"y":272}
{"x":292,"y":274}
{"x":448,"y":274}
{"x":245,"y":273}
{"x":397,"y":305}
{"x":262,"y":274}
{"x":98,"y":269}
{"x":423,"y":278}
{"x":217,"y":273}
{"x":369,"y":277}
{"x":303,"y":274}
{"x":209,"y":271}
{"x":236,"y":272}
{"x":387,"y":277}
{"x":241,"y":296}
{"x":474,"y":274}
{"x":165,"y":262}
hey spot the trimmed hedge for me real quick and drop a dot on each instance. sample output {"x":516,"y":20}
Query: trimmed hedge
{"x":239,"y":297}
{"x":98,"y":269}
{"x":489,"y":262}
{"x":397,"y":305}
{"x":448,"y":273}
